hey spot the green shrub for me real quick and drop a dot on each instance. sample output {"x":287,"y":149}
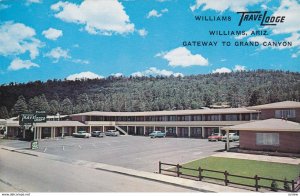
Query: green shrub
{"x":274,"y":186}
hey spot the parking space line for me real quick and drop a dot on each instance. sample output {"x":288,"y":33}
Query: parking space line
{"x":63,"y":148}
{"x":79,"y":146}
{"x":45,"y":149}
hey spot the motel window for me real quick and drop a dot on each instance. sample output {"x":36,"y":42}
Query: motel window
{"x":255,"y":116}
{"x":215,"y":117}
{"x":269,"y":139}
{"x":231,"y":117}
{"x":183,"y":118}
{"x":285,"y":113}
{"x":171,"y":118}
{"x":196,"y":118}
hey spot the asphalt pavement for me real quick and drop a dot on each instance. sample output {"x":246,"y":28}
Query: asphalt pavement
{"x":27,"y":173}
{"x":134,"y":152}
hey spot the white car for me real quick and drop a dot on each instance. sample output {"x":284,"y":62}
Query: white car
{"x":82,"y":134}
{"x":232,"y":137}
{"x":112,"y":133}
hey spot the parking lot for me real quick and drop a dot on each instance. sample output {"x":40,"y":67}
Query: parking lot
{"x":135,"y":152}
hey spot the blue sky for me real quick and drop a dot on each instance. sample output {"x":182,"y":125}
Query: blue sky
{"x":41,"y":40}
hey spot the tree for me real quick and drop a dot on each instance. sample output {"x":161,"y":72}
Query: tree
{"x":54,"y":107}
{"x":20,"y":106}
{"x":3,"y":112}
{"x":66,"y":106}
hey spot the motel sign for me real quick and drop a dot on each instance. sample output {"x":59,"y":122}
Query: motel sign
{"x":30,"y":118}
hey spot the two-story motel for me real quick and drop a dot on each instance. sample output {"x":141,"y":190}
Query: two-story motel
{"x":198,"y":123}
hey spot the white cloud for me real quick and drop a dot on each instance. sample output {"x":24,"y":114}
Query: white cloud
{"x":222,"y":70}
{"x":57,"y":54}
{"x":222,"y":5}
{"x":164,"y":10}
{"x":223,"y":60}
{"x":99,"y":17}
{"x":183,"y":57}
{"x":3,"y":6}
{"x":81,"y":61}
{"x":142,"y":32}
{"x":52,"y":33}
{"x":156,"y":72}
{"x":239,"y":68}
{"x":117,"y":75}
{"x":83,"y":75}
{"x":33,"y":1}
{"x":156,"y":14}
{"x":18,"y":64}
{"x":296,"y":54}
{"x":289,"y":9}
{"x":17,"y":38}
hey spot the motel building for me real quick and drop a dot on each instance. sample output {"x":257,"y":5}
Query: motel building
{"x":279,"y":121}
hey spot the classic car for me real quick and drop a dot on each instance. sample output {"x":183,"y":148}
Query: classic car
{"x":215,"y":137}
{"x":232,"y":137}
{"x":112,"y":133}
{"x":155,"y":134}
{"x":98,"y":134}
{"x":81,"y":134}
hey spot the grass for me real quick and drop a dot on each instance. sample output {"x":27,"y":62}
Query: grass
{"x":242,"y":167}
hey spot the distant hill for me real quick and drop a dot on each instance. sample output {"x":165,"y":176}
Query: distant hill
{"x":150,"y":93}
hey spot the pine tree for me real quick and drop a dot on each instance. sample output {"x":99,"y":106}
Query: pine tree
{"x":66,"y":106}
{"x":3,"y":112}
{"x":20,"y":106}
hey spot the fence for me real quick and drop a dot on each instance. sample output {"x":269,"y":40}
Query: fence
{"x":256,"y":179}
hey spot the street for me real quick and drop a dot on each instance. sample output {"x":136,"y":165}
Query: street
{"x":26,"y":173}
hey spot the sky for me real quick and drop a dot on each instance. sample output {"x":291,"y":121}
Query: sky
{"x":42,"y":40}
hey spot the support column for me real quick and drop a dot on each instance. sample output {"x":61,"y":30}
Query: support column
{"x":240,"y":117}
{"x":90,"y":129}
{"x":40,"y":133}
{"x":24,"y":133}
{"x":127,"y":129}
{"x":203,"y":132}
{"x":54,"y":131}
{"x":51,"y":133}
{"x":220,"y":132}
{"x":189,"y":132}
{"x":63,"y":132}
{"x":34,"y":133}
{"x":134,"y":130}
{"x":165,"y":129}
{"x":75,"y":129}
{"x":144,"y":130}
{"x":227,"y":140}
{"x":176,"y":131}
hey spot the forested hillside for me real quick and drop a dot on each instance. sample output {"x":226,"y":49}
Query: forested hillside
{"x":150,"y":93}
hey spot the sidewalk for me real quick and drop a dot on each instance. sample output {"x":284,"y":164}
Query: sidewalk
{"x":186,"y":183}
{"x":275,"y":159}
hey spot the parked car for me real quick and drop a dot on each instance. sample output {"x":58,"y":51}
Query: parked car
{"x":232,"y":137}
{"x":82,"y":134}
{"x":215,"y":137}
{"x":155,"y":134}
{"x":98,"y":134}
{"x":112,"y":133}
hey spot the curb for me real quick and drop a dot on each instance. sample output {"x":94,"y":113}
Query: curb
{"x":156,"y":180}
